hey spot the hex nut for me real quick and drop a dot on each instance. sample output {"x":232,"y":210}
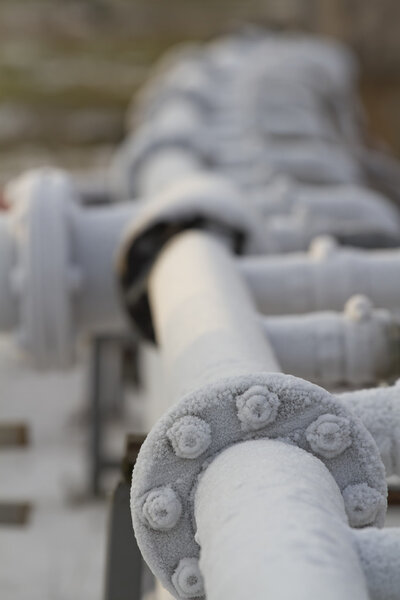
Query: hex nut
{"x":362,"y":504}
{"x":162,"y":508}
{"x":257,"y":407}
{"x":187,"y":579}
{"x":329,"y":435}
{"x":189,"y":436}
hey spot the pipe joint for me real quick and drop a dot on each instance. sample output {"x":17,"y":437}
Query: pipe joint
{"x":200,"y":202}
{"x":208,"y":421}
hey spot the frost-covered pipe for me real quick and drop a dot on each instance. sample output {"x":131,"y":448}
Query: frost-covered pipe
{"x":205,"y":321}
{"x":95,"y":235}
{"x":57,"y":266}
{"x":296,"y":213}
{"x":281,"y":196}
{"x":201,"y":426}
{"x":218,"y":366}
{"x":271,"y":523}
{"x":166,"y":167}
{"x":379,"y":410}
{"x":313,"y":162}
{"x":356,"y":347}
{"x":278,"y":100}
{"x":379,"y":553}
{"x":169,"y":145}
{"x":296,"y":232}
{"x":322,"y":279}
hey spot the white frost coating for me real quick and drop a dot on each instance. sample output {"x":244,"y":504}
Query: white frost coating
{"x":379,"y":552}
{"x":301,"y":403}
{"x":189,"y":436}
{"x":329,"y":435}
{"x":298,"y":283}
{"x":379,"y":410}
{"x":257,"y":407}
{"x":162,"y":508}
{"x":187,"y":579}
{"x":362,"y":504}
{"x":283,"y":504}
{"x":356,"y":347}
{"x":204,"y":319}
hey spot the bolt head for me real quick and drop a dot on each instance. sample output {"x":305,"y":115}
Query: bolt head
{"x":257,"y":407}
{"x":189,"y":436}
{"x":362,"y":504}
{"x":162,"y":509}
{"x":187,"y":579}
{"x":329,"y":435}
{"x":358,"y":308}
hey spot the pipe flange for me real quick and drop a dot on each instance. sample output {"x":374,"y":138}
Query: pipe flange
{"x":207,"y":202}
{"x":191,"y":434}
{"x":44,"y":280}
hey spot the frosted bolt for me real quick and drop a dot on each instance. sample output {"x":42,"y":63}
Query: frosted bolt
{"x":187,"y":579}
{"x":189,"y":436}
{"x":322,"y":247}
{"x":257,"y":407}
{"x":162,"y":508}
{"x":358,"y":308}
{"x":329,"y":435}
{"x":362,"y":504}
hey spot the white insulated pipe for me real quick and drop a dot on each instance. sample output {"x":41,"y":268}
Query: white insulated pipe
{"x":204,"y":318}
{"x":356,"y":347}
{"x":379,"y":410}
{"x":308,"y":162}
{"x":167,"y":166}
{"x":74,"y":277}
{"x":379,"y":553}
{"x":95,"y":236}
{"x":353,"y":203}
{"x":322,"y":279}
{"x":284,"y":505}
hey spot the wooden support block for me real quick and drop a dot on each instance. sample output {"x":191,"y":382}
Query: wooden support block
{"x":14,"y":434}
{"x":14,"y":513}
{"x":133,"y":443}
{"x":394,"y":496}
